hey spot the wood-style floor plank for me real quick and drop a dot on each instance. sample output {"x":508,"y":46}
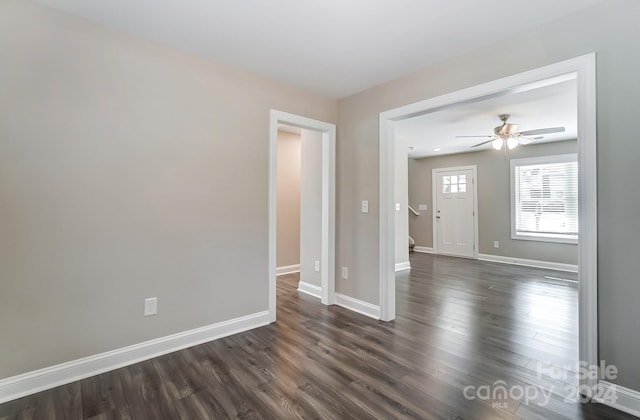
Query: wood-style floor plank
{"x":460,"y":323}
{"x":145,"y":392}
{"x":20,"y":409}
{"x":103,"y":397}
{"x":63,"y":402}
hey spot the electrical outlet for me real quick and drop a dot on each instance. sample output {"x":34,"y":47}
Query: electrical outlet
{"x":365,"y":206}
{"x":345,"y":273}
{"x":496,"y":244}
{"x":317,"y":266}
{"x":423,"y":207}
{"x":150,"y":306}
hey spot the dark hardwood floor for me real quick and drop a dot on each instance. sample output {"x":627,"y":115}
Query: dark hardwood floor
{"x":460,"y":324}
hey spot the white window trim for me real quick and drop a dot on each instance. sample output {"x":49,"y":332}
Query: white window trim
{"x":542,"y":237}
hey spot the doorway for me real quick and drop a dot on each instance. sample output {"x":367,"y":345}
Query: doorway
{"x":455,"y":216}
{"x":582,"y":69}
{"x":327,"y":136}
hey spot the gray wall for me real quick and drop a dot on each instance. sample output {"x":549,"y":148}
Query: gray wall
{"x":611,"y":30}
{"x":402,"y":198}
{"x":494,"y":197}
{"x":127,"y":170}
{"x":288,"y":200}
{"x":311,"y":207}
{"x":119,"y":179}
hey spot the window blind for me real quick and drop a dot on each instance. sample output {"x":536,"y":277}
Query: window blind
{"x":546,"y":197}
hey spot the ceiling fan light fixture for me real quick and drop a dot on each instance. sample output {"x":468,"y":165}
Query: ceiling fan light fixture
{"x":507,"y":133}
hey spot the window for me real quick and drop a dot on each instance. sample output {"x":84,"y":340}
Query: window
{"x":452,"y":184}
{"x":544,"y":198}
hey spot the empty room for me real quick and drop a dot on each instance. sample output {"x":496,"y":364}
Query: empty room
{"x":473,"y":203}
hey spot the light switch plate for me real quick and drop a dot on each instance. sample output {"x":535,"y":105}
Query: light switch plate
{"x":316,"y":266}
{"x":423,"y":207}
{"x":397,"y":206}
{"x":365,"y":206}
{"x":150,"y":306}
{"x":345,"y":273}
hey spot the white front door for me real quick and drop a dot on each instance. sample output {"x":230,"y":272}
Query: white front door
{"x":455,"y":221}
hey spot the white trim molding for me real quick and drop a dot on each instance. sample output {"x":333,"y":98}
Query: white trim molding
{"x":618,"y":397}
{"x":287,"y":269}
{"x":328,"y":255}
{"x":347,"y":302}
{"x":53,"y":376}
{"x":310,"y":289}
{"x":572,"y":268}
{"x":423,"y":249}
{"x":402,"y":266}
{"x":583,"y":70}
{"x":359,"y":306}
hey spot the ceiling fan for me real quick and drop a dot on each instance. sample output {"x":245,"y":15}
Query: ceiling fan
{"x":507,"y":133}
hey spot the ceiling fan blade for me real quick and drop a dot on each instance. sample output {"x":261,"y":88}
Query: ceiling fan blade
{"x":524,"y":140}
{"x":474,"y":136}
{"x":542,"y":131}
{"x":484,"y":142}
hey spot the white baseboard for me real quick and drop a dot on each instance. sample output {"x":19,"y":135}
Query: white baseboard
{"x":359,"y":306}
{"x":310,"y":289}
{"x":347,"y":302}
{"x":619,"y":397}
{"x":403,"y":266}
{"x":423,"y":249}
{"x":287,"y":269}
{"x":573,"y":268}
{"x":53,"y":376}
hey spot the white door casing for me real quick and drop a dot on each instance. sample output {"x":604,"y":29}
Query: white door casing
{"x":455,"y":216}
{"x":327,"y":259}
{"x":582,"y":69}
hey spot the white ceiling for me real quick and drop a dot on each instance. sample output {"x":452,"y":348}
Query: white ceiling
{"x":550,"y":106}
{"x":334,"y":47}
